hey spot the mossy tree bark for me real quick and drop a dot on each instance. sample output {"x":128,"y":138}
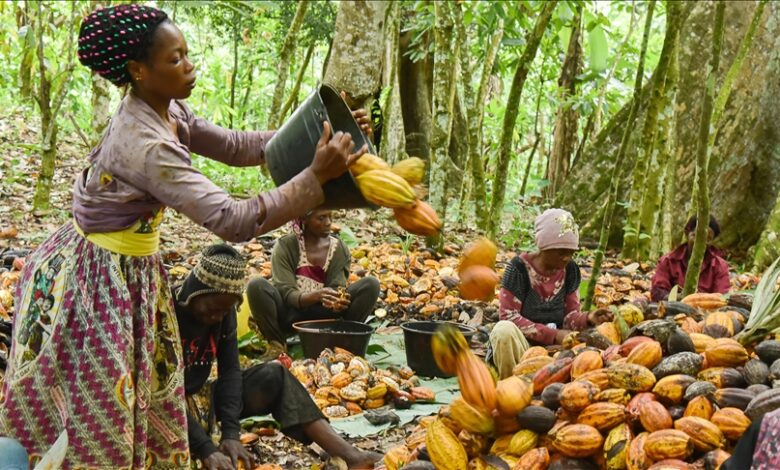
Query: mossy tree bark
{"x":703,"y":157}
{"x":616,"y":170}
{"x":283,"y":66}
{"x":566,"y":119}
{"x":298,"y":80}
{"x":28,"y":50}
{"x":532,"y":40}
{"x":639,"y":226}
{"x":445,"y":65}
{"x":746,"y":183}
{"x":416,"y":86}
{"x":393,"y":138}
{"x":50,"y":95}
{"x":356,"y":60}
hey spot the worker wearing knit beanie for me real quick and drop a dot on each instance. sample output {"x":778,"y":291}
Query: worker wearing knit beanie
{"x":539,"y":296}
{"x":206,"y":306}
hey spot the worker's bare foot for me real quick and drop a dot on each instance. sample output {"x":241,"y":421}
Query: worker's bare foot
{"x":362,"y":460}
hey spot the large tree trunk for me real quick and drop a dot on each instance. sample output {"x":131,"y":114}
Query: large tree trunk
{"x":565,"y":135}
{"x":445,"y":64}
{"x":283,"y":66}
{"x":101,"y":107}
{"x":416,"y":87}
{"x":355,"y":63}
{"x":393,"y":139}
{"x":533,"y":38}
{"x":745,"y":188}
{"x":638,"y":230}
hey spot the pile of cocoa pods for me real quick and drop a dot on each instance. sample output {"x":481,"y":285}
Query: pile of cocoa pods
{"x":674,"y":391}
{"x":343,"y":384}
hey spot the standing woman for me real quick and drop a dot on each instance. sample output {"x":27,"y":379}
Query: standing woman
{"x":106,"y":375}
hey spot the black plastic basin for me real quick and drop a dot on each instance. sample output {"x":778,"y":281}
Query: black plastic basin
{"x":317,"y":335}
{"x":291,"y":150}
{"x":417,"y":342}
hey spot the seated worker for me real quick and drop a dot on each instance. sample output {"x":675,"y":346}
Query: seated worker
{"x":206,"y":311}
{"x":310,"y":268}
{"x":671,"y":268}
{"x":539,"y":297}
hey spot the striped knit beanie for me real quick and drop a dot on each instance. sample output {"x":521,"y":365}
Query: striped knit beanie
{"x":110,"y":37}
{"x":220,"y":271}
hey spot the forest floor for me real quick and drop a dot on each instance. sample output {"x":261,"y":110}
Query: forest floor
{"x":416,"y":283}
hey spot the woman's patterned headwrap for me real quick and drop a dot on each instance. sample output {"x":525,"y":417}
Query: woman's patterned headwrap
{"x":110,"y":37}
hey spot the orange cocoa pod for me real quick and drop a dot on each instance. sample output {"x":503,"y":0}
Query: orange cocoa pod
{"x":726,"y":352}
{"x":668,"y":444}
{"x":421,"y":219}
{"x":598,"y":377}
{"x":701,"y":341}
{"x":700,"y":407}
{"x":577,"y":440}
{"x":670,"y":464}
{"x":634,"y":406}
{"x":558,"y":371}
{"x":637,"y":458}
{"x":632,"y":377}
{"x":577,"y":395}
{"x":732,"y":422}
{"x":534,"y":351}
{"x":586,"y":361}
{"x":602,"y":415}
{"x":654,"y":416}
{"x":480,"y":252}
{"x":647,"y":354}
{"x":476,"y":382}
{"x":531,"y":365}
{"x":631,"y":343}
{"x":534,"y":459}
{"x":705,"y":435}
{"x":478,"y":283}
{"x":614,"y":395}
{"x":705,"y":301}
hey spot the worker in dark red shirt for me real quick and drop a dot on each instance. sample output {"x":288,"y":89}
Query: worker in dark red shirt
{"x":670,"y":272}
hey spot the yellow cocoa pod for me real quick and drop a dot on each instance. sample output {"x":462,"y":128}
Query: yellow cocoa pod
{"x":471,"y":418}
{"x":385,"y":188}
{"x":377,"y":391}
{"x":522,"y":441}
{"x":397,"y":457}
{"x":513,"y":394}
{"x":668,"y":444}
{"x":616,"y":447}
{"x":705,"y":435}
{"x":444,"y":448}
{"x":366,"y":163}
{"x":411,"y":169}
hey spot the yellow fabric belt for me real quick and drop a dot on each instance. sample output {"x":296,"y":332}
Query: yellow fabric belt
{"x":126,"y":242}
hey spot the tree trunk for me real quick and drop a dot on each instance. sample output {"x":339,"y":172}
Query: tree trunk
{"x":297,"y":85}
{"x":767,"y":250}
{"x":745,"y":186}
{"x":283,"y":66}
{"x":50,"y":108}
{"x":444,"y":69}
{"x":565,"y":135}
{"x":28,"y":51}
{"x":101,"y":107}
{"x":703,"y":158}
{"x":416,"y":87}
{"x":532,"y":40}
{"x":612,"y":198}
{"x":476,"y":115}
{"x":393,"y":139}
{"x":234,"y":72}
{"x":537,"y":140}
{"x":250,"y":76}
{"x":355,"y":64}
{"x":638,"y":231}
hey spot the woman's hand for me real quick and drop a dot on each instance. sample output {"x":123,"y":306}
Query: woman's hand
{"x":330,"y":299}
{"x":361,"y":116}
{"x":218,"y":461}
{"x":599,"y":316}
{"x":332,"y":157}
{"x":234,"y":450}
{"x":561,"y":335}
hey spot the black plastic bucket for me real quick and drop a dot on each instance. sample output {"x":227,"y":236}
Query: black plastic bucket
{"x":317,"y":335}
{"x":417,"y":342}
{"x":292,"y":148}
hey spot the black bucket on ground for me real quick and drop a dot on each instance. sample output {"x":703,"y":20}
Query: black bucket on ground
{"x":417,"y":342}
{"x":291,"y":150}
{"x":317,"y":335}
